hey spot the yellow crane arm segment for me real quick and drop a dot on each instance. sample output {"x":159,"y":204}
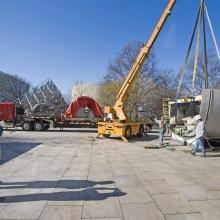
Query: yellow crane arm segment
{"x":122,"y":95}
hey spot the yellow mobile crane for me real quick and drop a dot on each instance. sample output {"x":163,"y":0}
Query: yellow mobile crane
{"x":116,"y":121}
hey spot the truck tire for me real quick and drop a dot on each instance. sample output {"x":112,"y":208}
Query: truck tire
{"x":147,"y":129}
{"x":46,"y":127}
{"x":141,"y":131}
{"x":106,"y":135}
{"x":128,"y":132}
{"x":38,"y":126}
{"x":26,"y":126}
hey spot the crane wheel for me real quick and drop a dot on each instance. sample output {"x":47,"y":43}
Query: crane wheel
{"x":128,"y":132}
{"x":147,"y":129}
{"x":141,"y":131}
{"x":106,"y":135}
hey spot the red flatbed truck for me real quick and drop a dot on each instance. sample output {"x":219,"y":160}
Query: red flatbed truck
{"x":14,"y":116}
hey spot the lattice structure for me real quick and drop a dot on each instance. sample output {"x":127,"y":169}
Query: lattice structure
{"x":43,"y":100}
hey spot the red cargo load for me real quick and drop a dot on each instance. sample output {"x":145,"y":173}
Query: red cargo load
{"x":82,"y":102}
{"x":7,"y":111}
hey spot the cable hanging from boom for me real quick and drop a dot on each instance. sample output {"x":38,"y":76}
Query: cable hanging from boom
{"x":200,"y":26}
{"x":212,"y":32}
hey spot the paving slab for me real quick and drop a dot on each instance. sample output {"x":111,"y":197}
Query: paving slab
{"x":159,"y":186}
{"x":192,"y":216}
{"x":23,"y":210}
{"x":74,"y":171}
{"x":103,"y":219}
{"x":194,"y":192}
{"x":107,"y":176}
{"x":61,"y":212}
{"x":108,"y":208}
{"x":142,"y":212}
{"x":122,"y":171}
{"x":177,"y":180}
{"x":210,"y":184}
{"x":173,"y":204}
{"x":70,"y":173}
{"x":128,"y":180}
{"x":206,"y":206}
{"x":135,"y":195}
{"x":211,"y":215}
{"x":150,"y":175}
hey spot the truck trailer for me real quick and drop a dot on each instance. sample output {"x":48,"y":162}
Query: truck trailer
{"x":15,"y":115}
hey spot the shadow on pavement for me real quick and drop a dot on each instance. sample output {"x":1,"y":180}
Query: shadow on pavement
{"x":146,"y":138}
{"x":87,"y":192}
{"x":135,"y":139}
{"x":213,"y":155}
{"x":11,"y":150}
{"x":67,"y":184}
{"x":83,"y":130}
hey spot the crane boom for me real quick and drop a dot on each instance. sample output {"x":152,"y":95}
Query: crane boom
{"x":133,"y":73}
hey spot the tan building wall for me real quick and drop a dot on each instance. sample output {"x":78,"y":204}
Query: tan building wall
{"x":91,"y":90}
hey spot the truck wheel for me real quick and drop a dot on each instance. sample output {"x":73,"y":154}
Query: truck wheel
{"x":128,"y":132}
{"x":141,"y":131}
{"x":46,"y":127}
{"x":106,"y":135}
{"x":147,"y":129}
{"x":26,"y":126}
{"x":38,"y":126}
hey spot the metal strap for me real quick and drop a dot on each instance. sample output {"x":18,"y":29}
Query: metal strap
{"x":197,"y":45}
{"x":206,"y":56}
{"x":187,"y":56}
{"x":212,"y":31}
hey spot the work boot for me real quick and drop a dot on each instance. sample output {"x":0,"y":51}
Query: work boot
{"x":193,"y":153}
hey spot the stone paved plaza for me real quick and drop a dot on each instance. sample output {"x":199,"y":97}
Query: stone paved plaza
{"x":72,"y":175}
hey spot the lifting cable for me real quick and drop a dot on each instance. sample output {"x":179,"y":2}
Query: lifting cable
{"x":212,"y":31}
{"x":187,"y":56}
{"x":206,"y":55}
{"x":200,"y":23}
{"x":197,"y":45}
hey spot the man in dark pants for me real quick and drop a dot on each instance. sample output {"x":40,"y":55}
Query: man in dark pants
{"x":162,"y":129}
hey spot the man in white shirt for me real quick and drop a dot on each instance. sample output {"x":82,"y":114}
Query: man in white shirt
{"x":162,"y":125}
{"x":200,"y":130}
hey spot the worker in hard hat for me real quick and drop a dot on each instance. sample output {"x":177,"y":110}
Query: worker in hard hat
{"x":200,"y":130}
{"x":162,"y":125}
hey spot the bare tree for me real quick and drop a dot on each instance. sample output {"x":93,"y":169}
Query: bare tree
{"x":120,"y":66}
{"x":78,"y":89}
{"x":165,"y":87}
{"x":108,"y":92}
{"x":12,"y":86}
{"x":152,"y":83}
{"x":213,"y":74}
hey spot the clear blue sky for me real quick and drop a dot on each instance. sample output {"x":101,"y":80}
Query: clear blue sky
{"x":70,"y":40}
